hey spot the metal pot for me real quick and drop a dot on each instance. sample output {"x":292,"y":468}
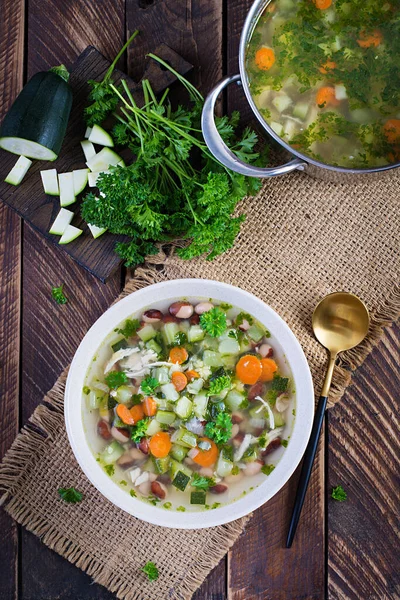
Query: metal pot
{"x":300,"y":161}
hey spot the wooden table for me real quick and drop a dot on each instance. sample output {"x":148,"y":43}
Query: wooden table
{"x":342,"y":550}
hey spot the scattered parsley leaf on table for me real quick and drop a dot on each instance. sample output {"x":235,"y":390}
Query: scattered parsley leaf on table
{"x":213,"y":322}
{"x":150,"y":570}
{"x":339,"y":494}
{"x":115,"y":379}
{"x":70,"y":495}
{"x":58,"y":294}
{"x":219,"y":430}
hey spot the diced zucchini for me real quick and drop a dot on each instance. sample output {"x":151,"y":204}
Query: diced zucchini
{"x":88,"y":149}
{"x":152,"y":345}
{"x":61,"y":222}
{"x":70,"y":234}
{"x":96,"y":398}
{"x":18,"y":171}
{"x":169,"y":391}
{"x":120,"y":345}
{"x":224,"y":466}
{"x":300,"y":110}
{"x":100,"y":136}
{"x":211,"y":358}
{"x":255,"y":333}
{"x":80,"y":179}
{"x":165,"y":417}
{"x":184,"y":407}
{"x":229,"y":361}
{"x":195,"y":386}
{"x":147,"y":332}
{"x":278,"y":418}
{"x":183,"y":437}
{"x":111,"y":453}
{"x":161,"y":465}
{"x":153,"y":427}
{"x":103,"y":408}
{"x":281,"y":102}
{"x":251,"y":454}
{"x":169,"y":332}
{"x":277,"y":127}
{"x":88,"y":132}
{"x":66,"y":184}
{"x":180,"y":481}
{"x":162,"y":374}
{"x":235,"y":400}
{"x":103,"y":159}
{"x":124,"y":394}
{"x":255,"y":413}
{"x":229,"y":346}
{"x":179,"y":452}
{"x":198,"y":497}
{"x":200,"y":402}
{"x":195,"y":334}
{"x":50,"y":182}
{"x":210,"y":343}
{"x":149,"y":465}
{"x":96,"y":231}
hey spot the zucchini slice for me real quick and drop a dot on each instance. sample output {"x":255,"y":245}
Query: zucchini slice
{"x":67,"y":194}
{"x":96,"y":231}
{"x":70,"y":234}
{"x":36,"y":123}
{"x":98,"y":135}
{"x":88,"y":149}
{"x":18,"y":171}
{"x":50,"y":182}
{"x":103,"y":159}
{"x":88,"y":132}
{"x":61,"y":222}
{"x":80,"y":179}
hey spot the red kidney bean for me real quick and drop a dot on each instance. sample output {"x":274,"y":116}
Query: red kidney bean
{"x":194,"y":319}
{"x":274,"y":445}
{"x":244,"y":326}
{"x":123,"y":432}
{"x":236,"y":418}
{"x":255,"y":390}
{"x":266,"y":351}
{"x":104,"y":430}
{"x":158,"y":490}
{"x":126,"y":460}
{"x":258,"y":431}
{"x":170,"y":319}
{"x":220,"y":488}
{"x":152,"y":316}
{"x":144,"y":445}
{"x":181,"y":310}
{"x":239,"y":437}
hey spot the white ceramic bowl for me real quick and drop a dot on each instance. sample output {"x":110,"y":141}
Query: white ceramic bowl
{"x":161,"y":295}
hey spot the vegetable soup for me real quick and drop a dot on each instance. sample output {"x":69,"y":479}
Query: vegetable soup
{"x":324,"y":74}
{"x":189,"y":407}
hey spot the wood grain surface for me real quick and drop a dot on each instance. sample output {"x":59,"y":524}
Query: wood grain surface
{"x":343,"y":551}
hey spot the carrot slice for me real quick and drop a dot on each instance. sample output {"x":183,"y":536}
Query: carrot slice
{"x":149,"y":407}
{"x":206,"y":458}
{"x":178,"y":355}
{"x":329,"y":65}
{"x":265,"y":58}
{"x":269,"y":367}
{"x":125,"y":414}
{"x":179,"y":380}
{"x":323,"y":4}
{"x":249,"y":369}
{"x":392,"y":131}
{"x":190,"y":375}
{"x":326,"y":96}
{"x":137,"y":413}
{"x":368,"y":40}
{"x":160,"y":444}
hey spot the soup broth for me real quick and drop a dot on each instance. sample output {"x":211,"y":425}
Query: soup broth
{"x":325,"y":75}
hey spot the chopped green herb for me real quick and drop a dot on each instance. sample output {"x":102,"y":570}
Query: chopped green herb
{"x":180,"y":338}
{"x":136,"y":399}
{"x":150,"y":570}
{"x":244,"y":317}
{"x":154,"y":500}
{"x":339,"y":494}
{"x":138,"y":431}
{"x":218,"y":384}
{"x":70,"y":495}
{"x":267,"y":469}
{"x":115,"y":379}
{"x":235,"y":470}
{"x":111,"y":403}
{"x":201,"y":482}
{"x":109,"y":469}
{"x":279,"y":384}
{"x":213,"y":322}
{"x":181,"y":509}
{"x":224,"y":305}
{"x":216,"y":505}
{"x":219,"y":430}
{"x":133,"y":493}
{"x":149,"y":385}
{"x":294,"y":412}
{"x":262,"y":440}
{"x":86,"y":390}
{"x":58,"y":295}
{"x":130,"y":328}
{"x":123,"y":482}
{"x":167,"y":505}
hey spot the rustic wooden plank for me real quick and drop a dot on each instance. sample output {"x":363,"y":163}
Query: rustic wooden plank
{"x":214,"y":587}
{"x":11,"y":68}
{"x":364,"y":450}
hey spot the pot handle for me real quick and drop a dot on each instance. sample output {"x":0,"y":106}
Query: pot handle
{"x":220,"y":150}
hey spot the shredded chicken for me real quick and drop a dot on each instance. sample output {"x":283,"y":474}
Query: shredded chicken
{"x":266,"y":405}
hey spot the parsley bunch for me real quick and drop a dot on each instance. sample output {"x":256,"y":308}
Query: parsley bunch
{"x":139,"y":430}
{"x":219,"y":430}
{"x":213,"y":322}
{"x":149,"y":385}
{"x":174,"y":189}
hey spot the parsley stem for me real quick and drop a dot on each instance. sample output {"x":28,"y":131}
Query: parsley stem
{"x":120,"y":53}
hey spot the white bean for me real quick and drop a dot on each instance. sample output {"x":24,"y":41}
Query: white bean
{"x":203,"y":307}
{"x":264,"y":350}
{"x":252,"y":468}
{"x":235,"y":430}
{"x":206,"y":472}
{"x":117,"y":435}
{"x":181,"y":310}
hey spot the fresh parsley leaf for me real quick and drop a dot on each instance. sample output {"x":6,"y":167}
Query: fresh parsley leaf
{"x":339,"y":494}
{"x":243,"y":317}
{"x":133,"y":493}
{"x":109,"y":469}
{"x":136,"y":399}
{"x":167,"y":505}
{"x":213,"y":322}
{"x":86,"y":390}
{"x":70,"y":495}
{"x":139,"y":430}
{"x":267,"y":469}
{"x":58,"y":295}
{"x":235,"y":470}
{"x":130,"y":328}
{"x":219,"y":384}
{"x":181,"y":509}
{"x":180,"y":338}
{"x":219,"y":430}
{"x":203,"y":483}
{"x":111,"y":403}
{"x":115,"y":379}
{"x":149,"y":385}
{"x":262,"y":440}
{"x":150,"y":570}
{"x":284,"y":443}
{"x":279,"y":384}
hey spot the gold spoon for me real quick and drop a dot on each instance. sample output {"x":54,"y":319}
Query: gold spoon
{"x":340,"y":322}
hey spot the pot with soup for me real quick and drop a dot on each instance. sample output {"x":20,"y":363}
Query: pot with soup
{"x":323,"y":79}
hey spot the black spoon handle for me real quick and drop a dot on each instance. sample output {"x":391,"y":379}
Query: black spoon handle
{"x":307,"y":468}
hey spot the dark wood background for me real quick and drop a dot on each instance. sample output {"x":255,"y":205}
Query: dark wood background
{"x":342,"y":550}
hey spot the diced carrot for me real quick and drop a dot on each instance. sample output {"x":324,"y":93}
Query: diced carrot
{"x":179,"y":380}
{"x":206,"y":458}
{"x":178,"y":355}
{"x":326,"y":96}
{"x":323,"y":4}
{"x":190,"y":375}
{"x":160,"y":444}
{"x":329,"y":65}
{"x":368,"y":40}
{"x":265,"y":58}
{"x":269,"y":367}
{"x":137,"y":413}
{"x":249,"y":369}
{"x":392,"y":131}
{"x":149,"y":407}
{"x":125,"y":414}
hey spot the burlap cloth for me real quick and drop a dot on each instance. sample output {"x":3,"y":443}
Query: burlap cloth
{"x":303,"y":238}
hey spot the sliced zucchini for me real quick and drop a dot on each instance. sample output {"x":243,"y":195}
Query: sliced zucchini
{"x":50,"y":182}
{"x":61,"y":222}
{"x":184,"y":407}
{"x":183,"y":437}
{"x":179,"y":452}
{"x":200,"y":402}
{"x":147,"y":332}
{"x":88,"y":149}
{"x":98,"y":135}
{"x":229,"y":346}
{"x":111,"y":453}
{"x":165,"y":417}
{"x":169,"y":391}
{"x":153,"y":427}
{"x":255,"y":333}
{"x":70,"y":234}
{"x":88,"y":132}
{"x":18,"y":171}
{"x":224,"y":466}
{"x":277,"y":127}
{"x":235,"y":400}
{"x":80,"y":178}
{"x":152,"y":345}
{"x":104,"y":159}
{"x":169,"y":332}
{"x":212,"y":359}
{"x":96,"y":231}
{"x":198,"y":497}
{"x":66,"y":183}
{"x":161,"y":465}
{"x":195,"y":333}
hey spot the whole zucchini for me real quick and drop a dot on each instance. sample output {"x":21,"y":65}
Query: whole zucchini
{"x":36,"y":123}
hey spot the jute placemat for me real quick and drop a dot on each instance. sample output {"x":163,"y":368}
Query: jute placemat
{"x":302,"y":239}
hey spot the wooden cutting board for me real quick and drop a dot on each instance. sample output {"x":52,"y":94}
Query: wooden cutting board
{"x":40,"y":210}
